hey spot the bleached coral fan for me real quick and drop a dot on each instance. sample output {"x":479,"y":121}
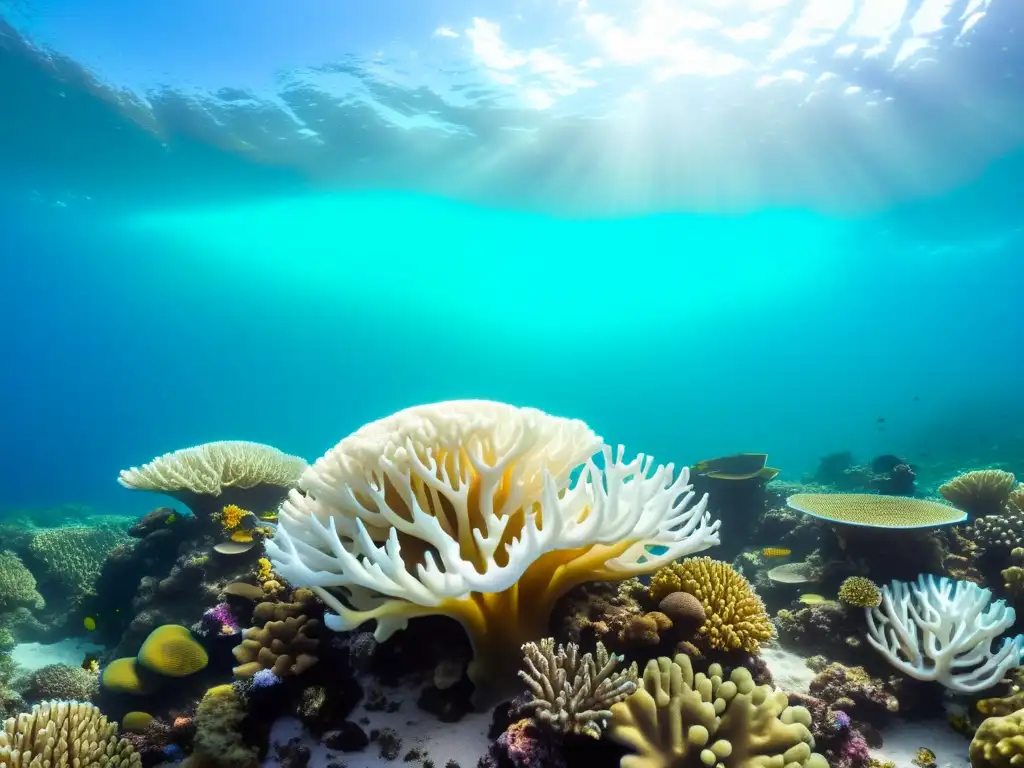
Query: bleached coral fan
{"x":466,"y":509}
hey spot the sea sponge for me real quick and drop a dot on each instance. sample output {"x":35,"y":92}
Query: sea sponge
{"x":122,"y":676}
{"x":573,"y":694}
{"x":60,"y":681}
{"x":218,"y":742}
{"x":874,"y":510}
{"x":735,"y":616}
{"x":63,"y":733}
{"x":171,"y":651}
{"x":860,"y":592}
{"x":286,"y":647}
{"x":999,"y":742}
{"x":17,"y":584}
{"x":466,"y":509}
{"x":71,"y":557}
{"x":982,"y":492}
{"x":253,"y":475}
{"x":676,"y":718}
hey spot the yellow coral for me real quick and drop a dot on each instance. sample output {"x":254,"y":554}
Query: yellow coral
{"x":264,"y":570}
{"x":64,"y":733}
{"x":875,"y":510}
{"x":242,"y":536}
{"x":999,"y":742}
{"x":860,"y":592}
{"x":482,"y":512}
{"x":735,"y":617}
{"x":982,"y":492}
{"x":678,"y":718}
{"x":172,"y":651}
{"x":231,"y":516}
{"x":136,"y":722}
{"x":121,"y":675}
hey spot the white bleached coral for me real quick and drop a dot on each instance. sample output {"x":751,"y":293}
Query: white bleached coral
{"x":466,"y":509}
{"x":937,"y":629}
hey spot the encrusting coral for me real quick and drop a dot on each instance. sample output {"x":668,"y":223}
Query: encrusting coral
{"x":574,"y":694}
{"x":64,"y":733}
{"x":735,"y":617}
{"x":677,"y":719}
{"x":982,"y":492}
{"x":465,"y":509}
{"x":999,"y":742}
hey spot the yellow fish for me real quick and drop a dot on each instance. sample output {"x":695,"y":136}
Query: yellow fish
{"x":776,"y":552}
{"x":171,"y":518}
{"x":89,"y":623}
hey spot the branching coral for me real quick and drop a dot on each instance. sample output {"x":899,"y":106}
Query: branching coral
{"x":941,"y":630}
{"x":64,"y":733}
{"x":574,"y":694}
{"x":735,"y":617}
{"x":677,"y":719}
{"x":982,"y":492}
{"x":466,"y":509}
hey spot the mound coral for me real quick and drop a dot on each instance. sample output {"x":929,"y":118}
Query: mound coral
{"x":875,"y":510}
{"x":1002,"y":532}
{"x":677,"y":718}
{"x":218,"y":741}
{"x":466,"y":509}
{"x":64,"y":733}
{"x":60,"y":681}
{"x":860,"y":592}
{"x":71,"y":557}
{"x":999,"y":742}
{"x":941,"y":630}
{"x":286,"y":647}
{"x":17,"y":584}
{"x":735,"y":617}
{"x":573,"y":694}
{"x":210,"y":476}
{"x":982,"y":492}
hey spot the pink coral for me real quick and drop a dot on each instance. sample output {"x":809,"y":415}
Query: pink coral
{"x":220,"y":621}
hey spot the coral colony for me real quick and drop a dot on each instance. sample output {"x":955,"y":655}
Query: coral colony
{"x":472,"y":567}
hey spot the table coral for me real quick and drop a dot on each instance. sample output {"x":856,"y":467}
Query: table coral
{"x":467,"y":509}
{"x":735,"y":617}
{"x":677,"y":718}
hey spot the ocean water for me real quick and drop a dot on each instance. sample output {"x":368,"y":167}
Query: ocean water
{"x":731,"y":227}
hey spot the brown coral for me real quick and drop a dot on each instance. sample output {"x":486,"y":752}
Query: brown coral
{"x":982,"y":492}
{"x":286,"y":647}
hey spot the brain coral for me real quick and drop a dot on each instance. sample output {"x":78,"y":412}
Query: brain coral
{"x":466,"y":509}
{"x":999,"y":742}
{"x":677,"y":719}
{"x":860,"y":592}
{"x":17,"y":584}
{"x":735,"y":616}
{"x":875,"y":510}
{"x":63,"y":733}
{"x":982,"y":492}
{"x":60,"y":681}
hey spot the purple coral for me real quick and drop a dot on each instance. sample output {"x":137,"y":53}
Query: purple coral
{"x":220,"y":621}
{"x":265,"y":678}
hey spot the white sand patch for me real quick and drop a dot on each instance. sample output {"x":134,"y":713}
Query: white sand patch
{"x":789,"y":670}
{"x":465,"y":742}
{"x":72,"y":651}
{"x":901,"y":740}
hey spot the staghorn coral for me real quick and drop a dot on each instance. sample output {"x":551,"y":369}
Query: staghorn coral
{"x":72,"y":557}
{"x":735,"y":616}
{"x":860,"y":592}
{"x":982,"y":492}
{"x":999,"y":742}
{"x":677,"y":719}
{"x":285,"y":646}
{"x":875,"y":510}
{"x":210,"y":476}
{"x":17,"y":584}
{"x":574,"y":694}
{"x":465,"y":509}
{"x":64,"y":733}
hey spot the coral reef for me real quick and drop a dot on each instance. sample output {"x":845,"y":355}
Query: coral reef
{"x":64,"y":733}
{"x":853,"y":691}
{"x":735,"y":617}
{"x":465,"y":509}
{"x":679,"y":718}
{"x":573,"y":693}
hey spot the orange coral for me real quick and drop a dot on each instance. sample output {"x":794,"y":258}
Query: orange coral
{"x":231,"y":516}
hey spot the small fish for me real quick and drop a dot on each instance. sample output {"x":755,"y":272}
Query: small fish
{"x":880,"y":419}
{"x":776,"y":552}
{"x":917,"y":398}
{"x":171,"y":519}
{"x":89,"y":623}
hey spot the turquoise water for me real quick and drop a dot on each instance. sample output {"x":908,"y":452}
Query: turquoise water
{"x":172,"y":276}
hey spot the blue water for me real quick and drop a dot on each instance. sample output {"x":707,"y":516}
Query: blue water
{"x":173,"y":273}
